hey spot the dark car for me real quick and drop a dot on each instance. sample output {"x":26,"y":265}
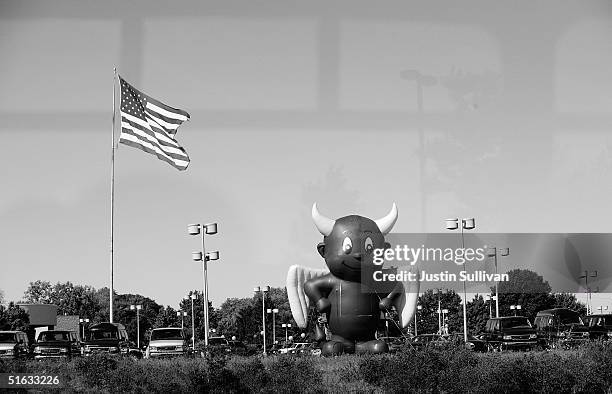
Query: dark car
{"x":560,"y":328}
{"x":600,"y":327}
{"x":473,"y":343}
{"x":57,"y":344}
{"x":426,"y":340}
{"x":510,"y":332}
{"x":216,"y":345}
{"x":14,"y":344}
{"x":394,"y":343}
{"x":109,"y":338}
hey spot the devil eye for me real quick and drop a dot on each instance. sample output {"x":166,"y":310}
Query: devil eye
{"x":369,"y":245}
{"x":347,"y":245}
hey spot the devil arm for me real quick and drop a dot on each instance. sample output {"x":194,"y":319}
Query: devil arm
{"x":389,"y":299}
{"x":317,"y":290}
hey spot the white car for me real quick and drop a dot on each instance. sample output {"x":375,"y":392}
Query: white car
{"x":167,"y":342}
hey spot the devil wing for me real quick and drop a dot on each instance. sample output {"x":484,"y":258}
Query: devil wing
{"x":406,"y":301}
{"x":298,"y":301}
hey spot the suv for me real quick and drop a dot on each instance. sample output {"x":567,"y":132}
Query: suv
{"x":167,"y":342}
{"x":57,"y":344}
{"x":560,"y":327}
{"x":600,"y":326}
{"x":14,"y":344}
{"x":109,"y":338}
{"x":510,"y":332}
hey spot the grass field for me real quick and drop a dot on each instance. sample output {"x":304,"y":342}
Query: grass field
{"x":447,"y":370}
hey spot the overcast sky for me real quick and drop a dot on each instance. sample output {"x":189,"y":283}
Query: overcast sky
{"x":292,"y":103}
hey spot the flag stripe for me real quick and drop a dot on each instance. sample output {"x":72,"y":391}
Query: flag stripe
{"x":159,"y":133}
{"x":143,"y":135}
{"x":181,"y":165}
{"x":150,"y":125}
{"x":173,"y":112}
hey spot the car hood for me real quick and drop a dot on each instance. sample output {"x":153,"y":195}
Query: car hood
{"x":167,"y":342}
{"x":518,"y":330}
{"x":53,"y":343}
{"x":7,"y":346}
{"x":102,"y":342}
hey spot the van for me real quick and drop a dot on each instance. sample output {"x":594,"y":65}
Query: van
{"x":510,"y":332}
{"x":560,"y":328}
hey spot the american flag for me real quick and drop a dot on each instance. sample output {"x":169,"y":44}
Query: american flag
{"x":150,"y":125}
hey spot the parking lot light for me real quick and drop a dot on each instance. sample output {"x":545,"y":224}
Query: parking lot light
{"x":137,"y":308}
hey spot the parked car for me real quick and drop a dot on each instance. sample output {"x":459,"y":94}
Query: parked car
{"x":473,"y":343}
{"x":600,"y":326}
{"x":239,"y":348}
{"x":14,"y":344}
{"x":394,"y":343}
{"x":426,"y":340}
{"x":167,"y":342}
{"x":560,"y":328}
{"x":57,"y":344}
{"x":109,"y":338}
{"x":217,"y":345}
{"x":510,"y":332}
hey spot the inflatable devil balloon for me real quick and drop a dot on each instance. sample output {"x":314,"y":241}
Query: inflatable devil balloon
{"x":343,"y":291}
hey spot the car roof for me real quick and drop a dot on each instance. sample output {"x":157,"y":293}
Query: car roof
{"x":555,"y":311}
{"x":506,"y":317}
{"x":107,"y":325}
{"x":12,"y":332}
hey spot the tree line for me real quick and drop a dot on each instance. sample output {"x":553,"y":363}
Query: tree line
{"x":242,"y":317}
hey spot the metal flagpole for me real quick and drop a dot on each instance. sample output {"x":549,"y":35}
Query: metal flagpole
{"x":112,"y":204}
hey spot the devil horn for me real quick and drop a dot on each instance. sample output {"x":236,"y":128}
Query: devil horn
{"x":324,"y":225}
{"x":386,"y":223}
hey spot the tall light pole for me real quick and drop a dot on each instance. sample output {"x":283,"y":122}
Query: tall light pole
{"x":444,"y":318}
{"x":419,"y":307}
{"x":182,"y":314}
{"x":490,"y":299}
{"x":466,"y":224}
{"x":210,"y":229}
{"x":492,"y":252}
{"x":263,"y":290}
{"x":193,"y":297}
{"x":85,"y":321}
{"x":286,"y":327}
{"x":137,"y":308}
{"x":439,"y":310}
{"x":588,"y":274}
{"x":273,"y":312}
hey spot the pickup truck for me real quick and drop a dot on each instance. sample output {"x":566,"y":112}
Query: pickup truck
{"x":167,"y":342}
{"x":509,"y":333}
{"x":560,"y":328}
{"x":57,"y":344}
{"x":111,"y":338}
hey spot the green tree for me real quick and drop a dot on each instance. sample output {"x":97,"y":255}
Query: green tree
{"x":525,"y":288}
{"x":428,"y":316}
{"x":478,"y":314}
{"x":12,"y":317}
{"x":569,"y":301}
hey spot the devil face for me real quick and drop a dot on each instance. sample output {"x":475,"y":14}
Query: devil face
{"x":349,"y":242}
{"x":348,"y":249}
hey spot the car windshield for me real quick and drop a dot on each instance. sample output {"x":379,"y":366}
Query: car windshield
{"x":515,"y":322}
{"x":102,"y":334}
{"x":570,"y":318}
{"x":166,"y":334}
{"x":53,"y":336}
{"x":217,"y":341}
{"x":7,"y":337}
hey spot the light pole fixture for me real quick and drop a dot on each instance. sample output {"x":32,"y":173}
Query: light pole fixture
{"x":263,"y":290}
{"x":286,"y":326}
{"x":444,"y":321}
{"x":490,"y":298}
{"x":601,"y":308}
{"x":492,"y":252}
{"x":203,"y":229}
{"x":273,"y":312}
{"x":515,"y":308}
{"x":182,"y":314}
{"x":588,"y":274}
{"x":439,"y":310}
{"x":418,"y":309}
{"x":193,"y":297}
{"x":466,"y":224}
{"x":84,"y":321}
{"x":137,"y":308}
